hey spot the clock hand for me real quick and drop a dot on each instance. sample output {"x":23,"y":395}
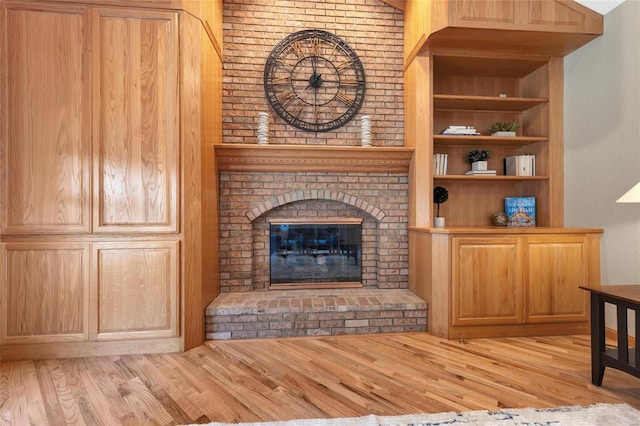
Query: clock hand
{"x":305,"y":89}
{"x":315,"y":80}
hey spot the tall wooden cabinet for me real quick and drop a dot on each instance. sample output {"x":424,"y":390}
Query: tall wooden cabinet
{"x":474,"y":63}
{"x":103,"y":126}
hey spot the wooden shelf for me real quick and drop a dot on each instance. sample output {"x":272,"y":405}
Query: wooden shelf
{"x":507,"y":41}
{"x":485,"y":66}
{"x":485,"y":103}
{"x":311,"y":158}
{"x":504,"y":141}
{"x":498,"y":178}
{"x":497,"y":230}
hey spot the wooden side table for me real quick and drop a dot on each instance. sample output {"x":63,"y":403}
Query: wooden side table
{"x":624,"y":358}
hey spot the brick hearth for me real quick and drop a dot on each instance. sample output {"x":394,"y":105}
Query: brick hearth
{"x":289,"y":313}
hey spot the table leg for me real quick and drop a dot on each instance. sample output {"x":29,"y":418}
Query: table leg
{"x":597,"y":339}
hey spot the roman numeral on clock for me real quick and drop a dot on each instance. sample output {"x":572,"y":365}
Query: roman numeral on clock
{"x":344,"y":98}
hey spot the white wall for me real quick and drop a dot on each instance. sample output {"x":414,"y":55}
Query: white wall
{"x":602,"y":142}
{"x":601,"y":6}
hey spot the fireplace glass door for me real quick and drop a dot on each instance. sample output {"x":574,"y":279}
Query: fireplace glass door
{"x":315,"y":254}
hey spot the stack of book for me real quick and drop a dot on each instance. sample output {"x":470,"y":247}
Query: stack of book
{"x":520,"y":165}
{"x":461,"y":131}
{"x":440,"y":164}
{"x":480,"y":173}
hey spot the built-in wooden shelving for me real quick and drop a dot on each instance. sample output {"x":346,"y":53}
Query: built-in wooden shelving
{"x":506,"y":141}
{"x":485,"y":103}
{"x":311,"y":158}
{"x":496,"y":178}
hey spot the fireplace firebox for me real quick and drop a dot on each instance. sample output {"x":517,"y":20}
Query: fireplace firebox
{"x":315,"y":253}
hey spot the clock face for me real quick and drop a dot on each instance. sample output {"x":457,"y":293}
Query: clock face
{"x":314,"y":81}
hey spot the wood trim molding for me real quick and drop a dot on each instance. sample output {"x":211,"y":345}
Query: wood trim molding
{"x":311,"y":158}
{"x":317,"y":221}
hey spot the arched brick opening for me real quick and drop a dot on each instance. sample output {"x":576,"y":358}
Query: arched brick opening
{"x":303,"y":195}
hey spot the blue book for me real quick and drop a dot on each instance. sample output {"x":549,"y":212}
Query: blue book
{"x":521,"y":211}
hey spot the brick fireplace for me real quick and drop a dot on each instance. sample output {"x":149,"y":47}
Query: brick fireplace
{"x":312,"y":175}
{"x":248,"y":201}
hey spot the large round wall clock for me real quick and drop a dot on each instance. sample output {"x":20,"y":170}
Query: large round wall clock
{"x":314,"y":80}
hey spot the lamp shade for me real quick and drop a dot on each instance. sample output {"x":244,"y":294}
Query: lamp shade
{"x":631,"y":196}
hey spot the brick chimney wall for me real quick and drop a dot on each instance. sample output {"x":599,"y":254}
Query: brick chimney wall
{"x":252,"y":28}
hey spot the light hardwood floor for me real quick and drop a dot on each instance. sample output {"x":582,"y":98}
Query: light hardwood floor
{"x":312,"y":377}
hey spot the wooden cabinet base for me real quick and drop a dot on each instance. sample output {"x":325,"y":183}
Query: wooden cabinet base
{"x":499,"y":282}
{"x":519,"y":330}
{"x":83,"y":349}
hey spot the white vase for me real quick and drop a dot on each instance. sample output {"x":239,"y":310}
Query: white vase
{"x":438,"y":222}
{"x":477,"y":166}
{"x":263,"y":128}
{"x":366,"y":130}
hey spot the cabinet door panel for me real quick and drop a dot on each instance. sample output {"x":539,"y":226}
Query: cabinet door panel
{"x":136,"y":120}
{"x":556,"y":267}
{"x":45,"y":108}
{"x":487,"y":281}
{"x":137,"y":289}
{"x":554,"y":16}
{"x":44,"y":292}
{"x":559,"y":15}
{"x":489,"y":14}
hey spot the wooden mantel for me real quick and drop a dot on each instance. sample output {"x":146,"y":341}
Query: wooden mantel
{"x":312,"y":158}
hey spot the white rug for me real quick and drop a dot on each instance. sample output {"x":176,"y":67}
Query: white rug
{"x":599,"y":414}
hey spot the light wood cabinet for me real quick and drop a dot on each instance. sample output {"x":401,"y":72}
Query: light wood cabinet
{"x":474,"y":63}
{"x":489,"y":283}
{"x":548,"y":27}
{"x":137,"y":289}
{"x":107,"y":158}
{"x":45,"y":120}
{"x":135,"y":65}
{"x":555,"y":268}
{"x":44,"y":292}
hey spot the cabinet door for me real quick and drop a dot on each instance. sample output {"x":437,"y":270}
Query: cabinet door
{"x":45,"y":112}
{"x":532,"y":15}
{"x":135,"y":120}
{"x":556,"y":266}
{"x":485,"y":14}
{"x":136,"y":286}
{"x":487,"y":281}
{"x":44,"y":292}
